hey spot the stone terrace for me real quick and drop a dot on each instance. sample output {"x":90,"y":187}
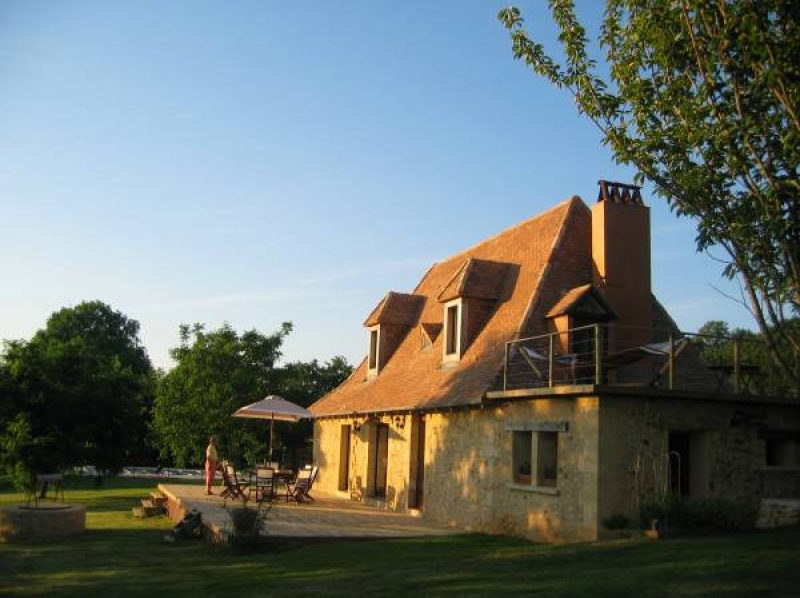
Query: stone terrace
{"x":328,"y":517}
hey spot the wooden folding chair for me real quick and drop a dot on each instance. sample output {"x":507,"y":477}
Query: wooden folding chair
{"x":264,"y":484}
{"x":300,"y":489}
{"x":233,"y":487}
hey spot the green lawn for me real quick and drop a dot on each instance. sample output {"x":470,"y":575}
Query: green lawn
{"x":121,"y":556}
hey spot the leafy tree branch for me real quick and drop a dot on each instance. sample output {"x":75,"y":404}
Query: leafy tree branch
{"x":702,"y":99}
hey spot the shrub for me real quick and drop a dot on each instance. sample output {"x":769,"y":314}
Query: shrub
{"x":617,"y":521}
{"x":696,"y":514}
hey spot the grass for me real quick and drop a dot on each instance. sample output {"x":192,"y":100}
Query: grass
{"x":122,"y":556}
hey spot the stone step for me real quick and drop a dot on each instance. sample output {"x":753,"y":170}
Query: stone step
{"x":158,"y":499}
{"x":776,"y":512}
{"x":147,"y":509}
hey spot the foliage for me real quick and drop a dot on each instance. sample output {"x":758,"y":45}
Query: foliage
{"x":702,"y":98}
{"x":216,"y":373}
{"x":677,"y":513}
{"x":76,"y":393}
{"x":617,"y":521}
{"x":719,"y":345}
{"x":303,"y":383}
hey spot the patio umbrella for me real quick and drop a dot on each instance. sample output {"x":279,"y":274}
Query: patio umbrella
{"x":274,"y":408}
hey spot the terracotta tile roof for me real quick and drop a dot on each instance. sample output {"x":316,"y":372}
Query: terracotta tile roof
{"x":400,"y":309}
{"x":431,"y":330}
{"x":414,"y":377}
{"x":477,"y":279}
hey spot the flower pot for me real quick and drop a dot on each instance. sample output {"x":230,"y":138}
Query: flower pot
{"x":245,"y":521}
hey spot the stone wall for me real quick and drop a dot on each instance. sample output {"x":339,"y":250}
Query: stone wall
{"x":327,"y":439}
{"x":468,"y":480}
{"x":46,"y":522}
{"x":610,"y":455}
{"x":778,"y":513}
{"x":726,"y":460}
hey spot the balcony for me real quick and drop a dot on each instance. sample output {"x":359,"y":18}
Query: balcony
{"x":617,"y":356}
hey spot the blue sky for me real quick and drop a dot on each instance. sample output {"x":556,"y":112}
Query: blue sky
{"x":257,"y":162}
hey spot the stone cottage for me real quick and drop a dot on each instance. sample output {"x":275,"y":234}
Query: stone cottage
{"x":533,"y":385}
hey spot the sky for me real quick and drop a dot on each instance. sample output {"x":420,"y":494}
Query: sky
{"x":261,"y":162}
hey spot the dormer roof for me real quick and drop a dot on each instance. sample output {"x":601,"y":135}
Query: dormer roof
{"x":399,"y":309}
{"x":584,"y":301}
{"x":476,"y":279}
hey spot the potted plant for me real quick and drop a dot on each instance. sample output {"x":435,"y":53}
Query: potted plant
{"x":247,"y":524}
{"x":549,"y":477}
{"x":523,"y":475}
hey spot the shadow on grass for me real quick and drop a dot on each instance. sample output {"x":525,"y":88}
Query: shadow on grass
{"x":138,"y":562}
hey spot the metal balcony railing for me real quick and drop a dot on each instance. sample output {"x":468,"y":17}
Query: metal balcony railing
{"x":613,"y":355}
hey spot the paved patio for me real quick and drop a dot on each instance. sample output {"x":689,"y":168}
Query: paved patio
{"x":327,"y":517}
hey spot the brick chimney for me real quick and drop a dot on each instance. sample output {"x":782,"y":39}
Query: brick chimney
{"x":621,"y":260}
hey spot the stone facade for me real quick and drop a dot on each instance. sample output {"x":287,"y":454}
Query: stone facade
{"x":612,"y":450}
{"x":778,"y":513}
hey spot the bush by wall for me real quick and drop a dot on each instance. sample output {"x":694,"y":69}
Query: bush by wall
{"x":676,"y":513}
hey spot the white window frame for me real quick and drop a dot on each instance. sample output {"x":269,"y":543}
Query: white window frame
{"x":374,"y":354}
{"x":457,"y":335}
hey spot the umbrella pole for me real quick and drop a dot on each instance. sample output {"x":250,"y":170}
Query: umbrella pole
{"x":271,"y":424}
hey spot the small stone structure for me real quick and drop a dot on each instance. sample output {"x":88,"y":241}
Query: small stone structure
{"x":45,"y":522}
{"x":775,"y":512}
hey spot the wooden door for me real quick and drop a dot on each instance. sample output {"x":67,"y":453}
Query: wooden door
{"x":417,"y":473}
{"x":380,"y":459}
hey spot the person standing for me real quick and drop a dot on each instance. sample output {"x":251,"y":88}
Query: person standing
{"x":212,"y":458}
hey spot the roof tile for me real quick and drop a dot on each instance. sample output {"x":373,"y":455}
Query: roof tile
{"x":414,"y":378}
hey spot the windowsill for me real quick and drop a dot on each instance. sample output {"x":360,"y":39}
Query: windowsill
{"x":537,"y":489}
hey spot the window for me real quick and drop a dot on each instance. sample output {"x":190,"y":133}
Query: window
{"x":373,"y":349}
{"x":534,"y":458}
{"x":451,"y":324}
{"x":782,"y":451}
{"x":547,"y":459}
{"x":521,"y":458}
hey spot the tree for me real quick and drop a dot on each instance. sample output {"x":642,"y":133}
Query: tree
{"x":702,"y":98}
{"x":303,"y":383}
{"x":76,"y":393}
{"x":216,"y":373}
{"x":719,"y":345}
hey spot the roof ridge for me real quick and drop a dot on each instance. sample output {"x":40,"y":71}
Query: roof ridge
{"x":573,"y":202}
{"x":472,"y":248}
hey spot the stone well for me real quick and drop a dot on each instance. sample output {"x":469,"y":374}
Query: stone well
{"x":45,"y":522}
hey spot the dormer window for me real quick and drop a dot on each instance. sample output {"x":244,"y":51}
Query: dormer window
{"x":451,"y":330}
{"x":454,"y":322}
{"x":388,"y":324}
{"x":469,"y":298}
{"x":577,"y":309}
{"x":373,"y":349}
